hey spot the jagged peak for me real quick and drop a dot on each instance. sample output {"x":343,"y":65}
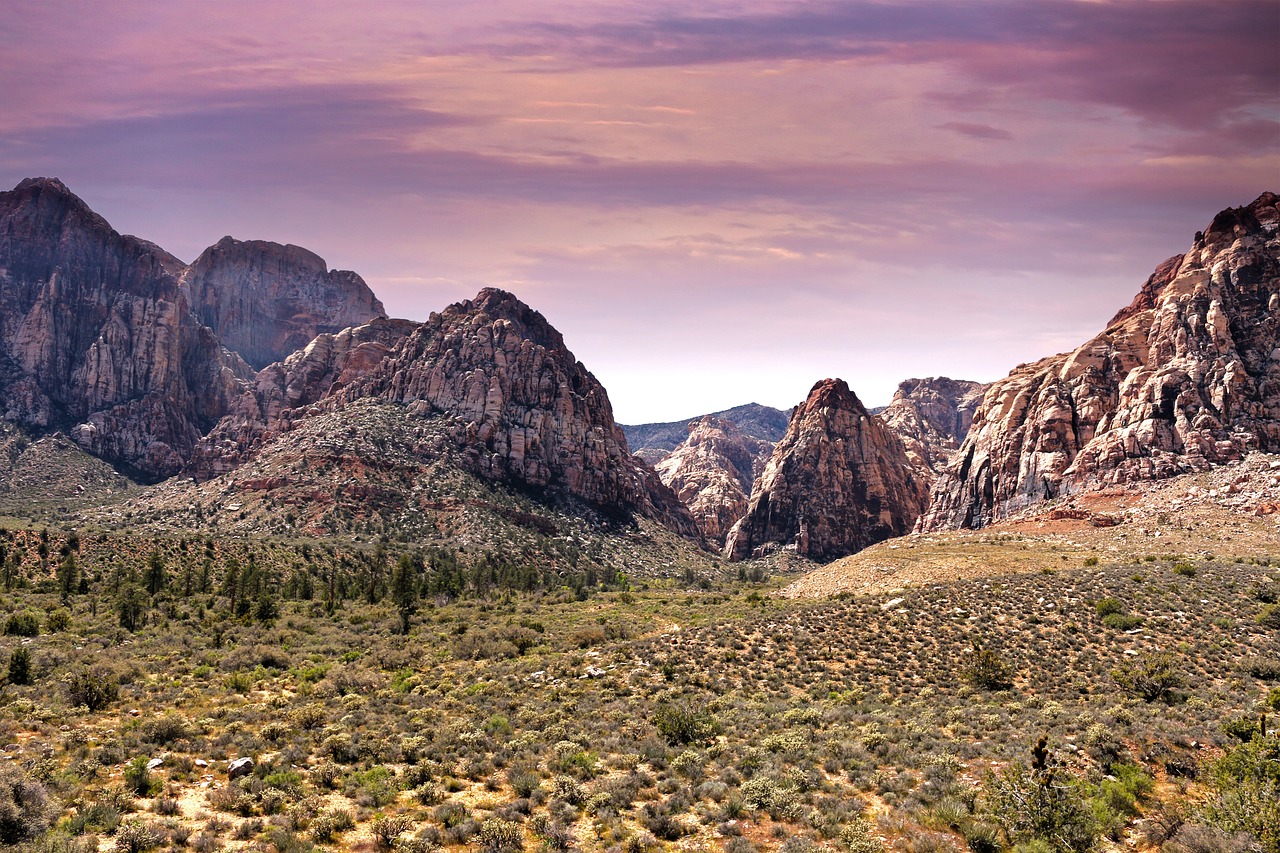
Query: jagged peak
{"x":832,"y":393}
{"x":498,"y":304}
{"x":48,"y":184}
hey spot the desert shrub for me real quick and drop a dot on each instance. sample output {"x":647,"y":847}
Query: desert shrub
{"x":658,"y":819}
{"x":1262,"y":666}
{"x":93,"y":687}
{"x":1041,"y":803}
{"x":858,"y":837}
{"x":138,"y":778}
{"x":500,"y":836}
{"x":523,"y":781}
{"x":24,"y":807}
{"x":1245,"y":790}
{"x":986,"y":670}
{"x":386,"y":830}
{"x":1270,"y":617}
{"x":1149,"y":676}
{"x":1108,"y":606}
{"x":780,"y":799}
{"x":1122,"y":621}
{"x":682,"y":723}
{"x":23,"y":623}
{"x":136,"y":837}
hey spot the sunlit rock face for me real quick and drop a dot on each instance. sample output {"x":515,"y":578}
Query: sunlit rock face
{"x":712,"y":472}
{"x":1184,"y":378}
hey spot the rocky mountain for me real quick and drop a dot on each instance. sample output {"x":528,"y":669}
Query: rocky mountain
{"x":265,"y":300}
{"x":505,"y":399}
{"x":1184,"y":378}
{"x":651,"y":442}
{"x":931,"y":417}
{"x":838,"y":481}
{"x":711,"y":473}
{"x":97,"y":336}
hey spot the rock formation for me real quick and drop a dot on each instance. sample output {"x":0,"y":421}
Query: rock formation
{"x":525,"y":411}
{"x":1186,"y":377}
{"x":519,"y":408}
{"x":265,"y":300}
{"x":838,"y":481}
{"x":97,"y":337}
{"x":711,"y":473}
{"x":282,"y":391}
{"x":931,"y":417}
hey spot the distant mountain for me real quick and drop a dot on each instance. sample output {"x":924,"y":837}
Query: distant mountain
{"x":653,"y":441}
{"x":932,"y":416}
{"x":265,"y":300}
{"x":1185,"y":378}
{"x":712,"y":471}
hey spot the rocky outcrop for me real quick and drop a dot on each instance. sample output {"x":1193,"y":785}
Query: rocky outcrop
{"x":517,"y":407}
{"x":265,"y":300}
{"x":1186,"y":377}
{"x":97,"y":336}
{"x":282,"y":391}
{"x":838,"y":481}
{"x":931,"y":417}
{"x":524,"y":410}
{"x":711,"y":473}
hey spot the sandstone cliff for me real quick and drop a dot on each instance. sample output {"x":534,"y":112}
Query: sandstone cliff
{"x":97,"y":337}
{"x":524,"y":409}
{"x":837,"y":482}
{"x":1186,"y":377}
{"x":711,"y":473}
{"x":491,"y":373}
{"x":653,"y":441}
{"x":265,"y":300}
{"x":931,"y":417}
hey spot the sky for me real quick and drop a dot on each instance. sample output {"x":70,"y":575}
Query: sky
{"x":716,"y":201}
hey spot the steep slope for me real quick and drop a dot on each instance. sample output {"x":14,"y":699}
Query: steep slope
{"x":931,"y":417}
{"x":838,"y":481}
{"x":651,"y":442}
{"x":97,"y":337}
{"x":488,"y":383}
{"x":712,"y":472}
{"x":1186,"y":377}
{"x":265,"y":300}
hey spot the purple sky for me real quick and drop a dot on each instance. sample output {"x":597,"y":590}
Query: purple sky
{"x":716,"y":202}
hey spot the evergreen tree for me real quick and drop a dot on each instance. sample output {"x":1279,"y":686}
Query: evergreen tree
{"x":404,"y":589}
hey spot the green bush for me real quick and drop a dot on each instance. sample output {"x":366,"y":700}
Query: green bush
{"x":1149,"y":677}
{"x":24,"y":623}
{"x":138,"y":778}
{"x":94,"y":688}
{"x":1107,"y":606}
{"x":1122,"y":621}
{"x":1042,"y":804}
{"x":20,"y":665}
{"x":1270,"y":617}
{"x":1245,"y":791}
{"x":682,"y":724}
{"x":988,"y":671}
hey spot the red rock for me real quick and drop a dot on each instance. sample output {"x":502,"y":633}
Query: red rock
{"x":838,"y":481}
{"x":1186,"y":377}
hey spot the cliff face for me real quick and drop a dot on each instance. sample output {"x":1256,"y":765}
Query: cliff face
{"x":837,"y":482}
{"x":711,"y":473}
{"x":96,"y":336}
{"x":931,"y":417}
{"x":524,"y":409}
{"x":1186,"y":377}
{"x":265,"y":300}
{"x":281,"y":392}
